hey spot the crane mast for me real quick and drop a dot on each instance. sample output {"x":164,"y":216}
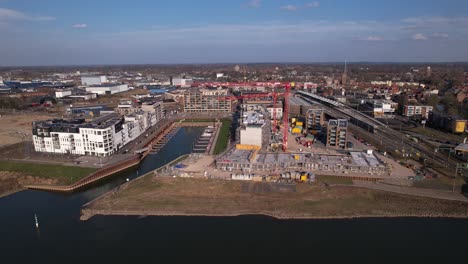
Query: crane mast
{"x":286,"y":117}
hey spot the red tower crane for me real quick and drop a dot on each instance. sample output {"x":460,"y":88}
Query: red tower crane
{"x":286,"y":117}
{"x":275,"y":97}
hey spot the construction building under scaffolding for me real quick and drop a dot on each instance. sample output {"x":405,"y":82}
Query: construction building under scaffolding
{"x":259,"y":142}
{"x":245,"y":160}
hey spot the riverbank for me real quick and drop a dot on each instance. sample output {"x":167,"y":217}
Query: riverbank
{"x":15,"y":175}
{"x":164,"y":196}
{"x":12,"y":182}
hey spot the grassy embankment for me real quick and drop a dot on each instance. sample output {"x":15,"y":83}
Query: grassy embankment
{"x":223,"y":137}
{"x":64,"y":175}
{"x":197,"y":120}
{"x":334,"y":180}
{"x":436,"y":134}
{"x":153,"y":195}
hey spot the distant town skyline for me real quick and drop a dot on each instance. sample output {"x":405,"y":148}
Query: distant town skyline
{"x":240,"y":31}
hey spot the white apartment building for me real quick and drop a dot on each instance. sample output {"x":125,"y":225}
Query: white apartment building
{"x":101,"y":137}
{"x":417,"y":110}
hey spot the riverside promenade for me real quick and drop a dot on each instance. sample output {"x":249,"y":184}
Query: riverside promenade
{"x":110,"y":169}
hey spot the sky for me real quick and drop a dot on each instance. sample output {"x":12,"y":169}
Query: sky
{"x":51,"y":32}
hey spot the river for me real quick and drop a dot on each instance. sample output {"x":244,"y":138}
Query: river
{"x":63,"y":237}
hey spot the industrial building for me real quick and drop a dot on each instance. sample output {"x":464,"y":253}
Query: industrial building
{"x":364,"y":163}
{"x":110,"y":88}
{"x":181,"y":82}
{"x":63,"y":93}
{"x":296,"y":104}
{"x":207,"y":100}
{"x":337,"y":132}
{"x":71,"y":95}
{"x":93,"y":80}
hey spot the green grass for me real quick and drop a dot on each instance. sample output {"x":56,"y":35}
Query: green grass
{"x":63,"y":174}
{"x":223,"y":137}
{"x":429,"y":132}
{"x":334,"y":179}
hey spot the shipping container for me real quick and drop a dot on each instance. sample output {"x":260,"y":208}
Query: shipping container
{"x":460,"y":126}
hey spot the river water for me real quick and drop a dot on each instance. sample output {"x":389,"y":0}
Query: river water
{"x":63,"y":237}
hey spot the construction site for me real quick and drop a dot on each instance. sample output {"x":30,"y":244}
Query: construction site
{"x":280,"y":133}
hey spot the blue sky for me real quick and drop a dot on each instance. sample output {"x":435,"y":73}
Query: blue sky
{"x":51,"y":32}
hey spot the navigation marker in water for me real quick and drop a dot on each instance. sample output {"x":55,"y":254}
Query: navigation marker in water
{"x":37,"y":223}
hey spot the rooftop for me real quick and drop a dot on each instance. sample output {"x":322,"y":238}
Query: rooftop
{"x":293,"y":100}
{"x":99,"y":123}
{"x":355,"y":158}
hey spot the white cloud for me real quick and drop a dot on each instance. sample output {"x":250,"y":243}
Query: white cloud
{"x":79,"y":26}
{"x":13,"y":15}
{"x":440,"y":35}
{"x":435,"y":20}
{"x":289,"y":8}
{"x":419,"y":36}
{"x":272,"y":32}
{"x":254,"y":3}
{"x":314,"y":4}
{"x":374,"y":38}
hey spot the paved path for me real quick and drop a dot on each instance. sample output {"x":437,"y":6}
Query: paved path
{"x":215,"y":139}
{"x":432,"y":193}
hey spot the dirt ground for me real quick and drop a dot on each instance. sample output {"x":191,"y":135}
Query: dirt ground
{"x":11,"y":182}
{"x":154,"y":195}
{"x":16,"y":128}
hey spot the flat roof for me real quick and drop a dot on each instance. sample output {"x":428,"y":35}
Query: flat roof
{"x":355,"y":158}
{"x":293,"y":100}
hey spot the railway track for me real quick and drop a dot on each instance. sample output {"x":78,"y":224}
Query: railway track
{"x":388,"y":136}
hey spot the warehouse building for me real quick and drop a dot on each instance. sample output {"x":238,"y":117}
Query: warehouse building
{"x":110,"y":88}
{"x":93,"y":80}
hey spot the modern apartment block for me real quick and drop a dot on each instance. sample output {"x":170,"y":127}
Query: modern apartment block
{"x":207,"y":100}
{"x":101,"y":137}
{"x":337,"y":131}
{"x":417,"y":110}
{"x":315,"y":118}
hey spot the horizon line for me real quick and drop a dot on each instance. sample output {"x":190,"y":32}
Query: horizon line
{"x":235,"y":63}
